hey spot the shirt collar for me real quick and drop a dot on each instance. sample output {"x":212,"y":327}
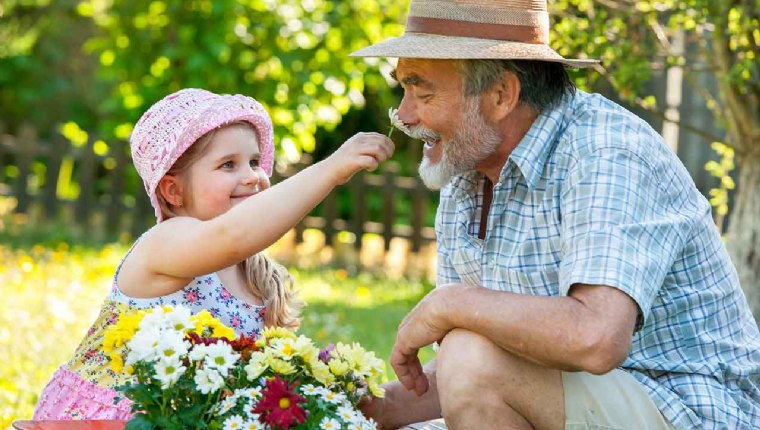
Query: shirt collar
{"x":531,"y":154}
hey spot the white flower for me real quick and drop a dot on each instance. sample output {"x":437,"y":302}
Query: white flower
{"x":169,"y":372}
{"x":332,"y":397}
{"x":198,"y":353}
{"x":255,"y":366}
{"x":329,"y":424}
{"x":154,"y":319}
{"x":234,"y":422}
{"x":310,"y":390}
{"x":142,"y":347}
{"x":253,"y":424}
{"x":208,"y":380}
{"x":396,"y":121}
{"x":225,"y":405}
{"x":347,"y":413}
{"x":179,"y":319}
{"x":172,"y":345}
{"x":284,"y":348}
{"x":221,"y":357}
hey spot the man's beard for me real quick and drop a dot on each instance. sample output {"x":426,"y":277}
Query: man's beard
{"x":472,"y":143}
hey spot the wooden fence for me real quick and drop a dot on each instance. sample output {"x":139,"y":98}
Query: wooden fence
{"x":93,"y":187}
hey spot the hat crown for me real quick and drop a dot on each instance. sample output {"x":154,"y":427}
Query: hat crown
{"x":525,"y":21}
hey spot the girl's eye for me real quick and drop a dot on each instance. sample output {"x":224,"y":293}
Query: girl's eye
{"x":254,"y":163}
{"x":228,"y":165}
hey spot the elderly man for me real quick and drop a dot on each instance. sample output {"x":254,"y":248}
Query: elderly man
{"x":581,"y":281}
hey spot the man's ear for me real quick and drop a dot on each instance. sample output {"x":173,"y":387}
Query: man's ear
{"x":170,"y":188}
{"x":503,"y":97}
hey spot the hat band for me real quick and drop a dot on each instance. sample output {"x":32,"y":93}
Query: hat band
{"x":451,"y":27}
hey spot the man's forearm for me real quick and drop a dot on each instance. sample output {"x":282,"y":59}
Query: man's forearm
{"x":556,"y":332}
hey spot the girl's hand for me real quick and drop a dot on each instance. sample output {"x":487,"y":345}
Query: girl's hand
{"x":361,"y":151}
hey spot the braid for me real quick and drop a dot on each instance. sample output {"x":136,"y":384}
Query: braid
{"x":272,"y":283}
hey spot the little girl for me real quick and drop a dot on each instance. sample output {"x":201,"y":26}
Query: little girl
{"x":205,"y":160}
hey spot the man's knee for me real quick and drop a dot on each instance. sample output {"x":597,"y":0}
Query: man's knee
{"x":469,"y":359}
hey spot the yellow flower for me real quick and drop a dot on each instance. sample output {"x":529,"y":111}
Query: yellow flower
{"x":277,"y":333}
{"x":376,"y":389}
{"x":306,"y":349}
{"x":202,"y":320}
{"x":321,"y":373}
{"x":338,"y":367}
{"x":221,"y":330}
{"x":117,"y":363}
{"x":282,"y":367}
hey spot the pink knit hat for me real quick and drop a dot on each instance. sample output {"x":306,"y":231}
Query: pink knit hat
{"x":174,"y":123}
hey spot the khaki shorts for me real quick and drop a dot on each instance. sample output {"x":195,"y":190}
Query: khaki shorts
{"x":614,"y":401}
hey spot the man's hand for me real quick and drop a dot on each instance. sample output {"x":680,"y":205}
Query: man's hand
{"x":428,"y":322}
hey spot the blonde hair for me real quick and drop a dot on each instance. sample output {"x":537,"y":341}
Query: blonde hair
{"x":266,"y":279}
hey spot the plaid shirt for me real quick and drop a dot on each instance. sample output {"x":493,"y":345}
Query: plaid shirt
{"x":593,"y":195}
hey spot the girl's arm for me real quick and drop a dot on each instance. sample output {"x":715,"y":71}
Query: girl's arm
{"x":181,"y":248}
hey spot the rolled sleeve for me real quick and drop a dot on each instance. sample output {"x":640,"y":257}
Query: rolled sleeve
{"x":618,"y":227}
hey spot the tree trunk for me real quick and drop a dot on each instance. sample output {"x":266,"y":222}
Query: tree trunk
{"x":743,"y":235}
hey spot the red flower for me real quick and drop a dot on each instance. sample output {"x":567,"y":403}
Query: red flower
{"x":279,"y":405}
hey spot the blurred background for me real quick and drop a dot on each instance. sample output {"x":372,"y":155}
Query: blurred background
{"x":76,"y":75}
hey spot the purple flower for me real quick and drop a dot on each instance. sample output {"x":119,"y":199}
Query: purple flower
{"x":324,"y":354}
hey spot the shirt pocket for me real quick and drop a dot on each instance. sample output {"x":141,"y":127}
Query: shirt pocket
{"x":536,"y":283}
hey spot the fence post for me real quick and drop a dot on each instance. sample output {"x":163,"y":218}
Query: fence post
{"x":389,"y":210}
{"x":330,"y":212}
{"x":419,"y":207}
{"x":358,"y":188}
{"x":26,"y":145}
{"x":58,"y":145}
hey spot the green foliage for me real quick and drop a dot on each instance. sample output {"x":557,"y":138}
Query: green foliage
{"x":722,"y":170}
{"x":711,"y":37}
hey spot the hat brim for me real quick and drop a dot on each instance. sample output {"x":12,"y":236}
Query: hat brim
{"x":419,"y":45}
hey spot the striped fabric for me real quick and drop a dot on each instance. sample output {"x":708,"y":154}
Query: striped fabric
{"x":593,"y":195}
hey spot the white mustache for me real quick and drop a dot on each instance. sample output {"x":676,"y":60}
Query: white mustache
{"x":422,"y":133}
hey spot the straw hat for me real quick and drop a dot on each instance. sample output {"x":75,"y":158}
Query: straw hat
{"x":169,"y":127}
{"x":474,"y":29}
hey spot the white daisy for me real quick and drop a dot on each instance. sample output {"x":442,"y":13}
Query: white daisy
{"x":179,"y":320}
{"x":234,"y":422}
{"x":329,"y":424}
{"x":172,"y":345}
{"x":396,"y":121}
{"x":347,"y":413}
{"x":208,"y":380}
{"x":253,"y":424}
{"x":225,"y":405}
{"x":310,"y":390}
{"x":169,"y":372}
{"x":334,"y":398}
{"x":221,"y":357}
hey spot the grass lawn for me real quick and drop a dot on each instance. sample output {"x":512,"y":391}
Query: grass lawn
{"x":52,"y":293}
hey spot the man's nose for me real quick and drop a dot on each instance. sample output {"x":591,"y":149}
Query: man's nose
{"x":407,"y":111}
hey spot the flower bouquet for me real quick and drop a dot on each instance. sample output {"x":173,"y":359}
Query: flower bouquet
{"x":191,"y":371}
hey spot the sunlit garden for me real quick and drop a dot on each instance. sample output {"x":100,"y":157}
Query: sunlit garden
{"x":52,"y":293}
